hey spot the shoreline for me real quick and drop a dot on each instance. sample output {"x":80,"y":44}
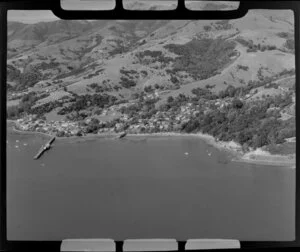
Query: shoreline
{"x":22,"y":132}
{"x":286,"y":164}
{"x":257,"y":157}
{"x":262,"y":157}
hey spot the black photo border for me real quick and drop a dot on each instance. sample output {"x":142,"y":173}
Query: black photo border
{"x":181,"y":12}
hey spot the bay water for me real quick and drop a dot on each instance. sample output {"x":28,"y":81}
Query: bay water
{"x":143,"y":187}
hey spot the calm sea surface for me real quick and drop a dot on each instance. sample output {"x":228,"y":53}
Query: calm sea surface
{"x":143,"y":188}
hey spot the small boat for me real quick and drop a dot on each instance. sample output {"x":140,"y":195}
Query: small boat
{"x":186,"y":153}
{"x":209,"y":154}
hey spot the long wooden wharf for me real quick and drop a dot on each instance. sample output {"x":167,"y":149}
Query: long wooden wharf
{"x":44,"y":148}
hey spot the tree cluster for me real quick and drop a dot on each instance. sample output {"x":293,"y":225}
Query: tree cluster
{"x":202,"y":58}
{"x":84,"y":101}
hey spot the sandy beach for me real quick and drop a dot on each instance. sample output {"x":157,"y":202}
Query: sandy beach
{"x":261,"y":157}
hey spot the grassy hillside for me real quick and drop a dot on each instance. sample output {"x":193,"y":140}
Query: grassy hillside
{"x":78,"y":70}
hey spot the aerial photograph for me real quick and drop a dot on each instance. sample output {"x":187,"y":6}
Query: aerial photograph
{"x":151,"y":128}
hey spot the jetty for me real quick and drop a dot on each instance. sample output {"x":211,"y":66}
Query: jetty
{"x":123,"y":134}
{"x":44,"y":148}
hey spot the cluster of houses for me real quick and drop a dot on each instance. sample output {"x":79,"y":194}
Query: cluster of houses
{"x":159,"y":122}
{"x":31,"y":123}
{"x":16,"y":95}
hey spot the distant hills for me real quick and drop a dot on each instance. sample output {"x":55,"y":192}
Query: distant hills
{"x":232,"y":79}
{"x":126,"y":56}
